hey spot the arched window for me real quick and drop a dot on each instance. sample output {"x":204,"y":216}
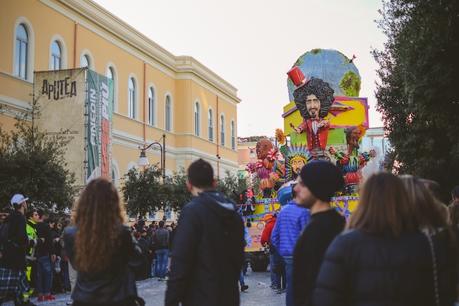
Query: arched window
{"x":197,"y":121}
{"x":115,"y":173}
{"x":56,"y":56}
{"x":211,"y":125}
{"x":85,"y":61}
{"x":110,"y":74}
{"x":222,"y":130}
{"x":21,"y":62}
{"x":233,"y":136}
{"x":151,"y":106}
{"x":132,"y":98}
{"x":168,"y":123}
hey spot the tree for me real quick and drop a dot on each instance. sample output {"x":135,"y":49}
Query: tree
{"x":417,"y":92}
{"x":176,"y":190}
{"x":143,"y":191}
{"x":232,"y":186}
{"x":33,"y":163}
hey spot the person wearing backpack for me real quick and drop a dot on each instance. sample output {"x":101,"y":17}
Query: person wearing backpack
{"x":13,"y":283}
{"x":161,"y":239}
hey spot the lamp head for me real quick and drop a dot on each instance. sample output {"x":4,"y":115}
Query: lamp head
{"x":143,"y":159}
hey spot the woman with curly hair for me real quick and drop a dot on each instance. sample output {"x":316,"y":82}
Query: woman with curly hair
{"x":101,"y":249}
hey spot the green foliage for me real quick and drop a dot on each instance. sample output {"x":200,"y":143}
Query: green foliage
{"x":316,"y":51}
{"x":178,"y":194}
{"x":417,"y":94}
{"x":143,"y":191}
{"x":232,"y":186}
{"x":33,"y":163}
{"x":350,"y":84}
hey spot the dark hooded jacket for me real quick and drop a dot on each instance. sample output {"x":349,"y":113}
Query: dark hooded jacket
{"x":207,"y":254}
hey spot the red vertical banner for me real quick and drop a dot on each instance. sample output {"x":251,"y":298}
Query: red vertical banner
{"x":105,"y":130}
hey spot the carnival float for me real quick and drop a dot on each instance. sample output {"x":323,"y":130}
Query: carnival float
{"x":324,"y":120}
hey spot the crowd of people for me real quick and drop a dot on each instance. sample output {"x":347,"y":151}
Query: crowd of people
{"x":155,"y":242}
{"x":32,"y":257}
{"x":399,"y":247}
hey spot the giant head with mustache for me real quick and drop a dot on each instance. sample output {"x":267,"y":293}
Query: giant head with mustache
{"x":313,"y":99}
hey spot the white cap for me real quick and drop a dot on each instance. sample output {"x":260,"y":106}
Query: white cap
{"x":18,"y":199}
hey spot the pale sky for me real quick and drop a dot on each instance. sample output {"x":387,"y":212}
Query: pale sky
{"x":253,"y":43}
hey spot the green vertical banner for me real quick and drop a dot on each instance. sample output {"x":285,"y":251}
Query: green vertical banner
{"x":99,"y":112}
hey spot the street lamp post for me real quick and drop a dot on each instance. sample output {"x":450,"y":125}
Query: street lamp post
{"x":143,"y":159}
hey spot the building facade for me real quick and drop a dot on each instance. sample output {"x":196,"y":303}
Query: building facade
{"x":155,"y":92}
{"x":376,"y":139}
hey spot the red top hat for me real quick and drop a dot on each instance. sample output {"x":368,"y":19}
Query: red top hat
{"x":296,"y":75}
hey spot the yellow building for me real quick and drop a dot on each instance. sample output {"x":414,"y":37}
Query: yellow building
{"x":156,"y":92}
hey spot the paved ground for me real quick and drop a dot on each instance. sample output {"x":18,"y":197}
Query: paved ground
{"x":153,"y":290}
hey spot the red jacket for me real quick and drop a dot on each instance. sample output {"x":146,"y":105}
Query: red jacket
{"x":320,"y":139}
{"x":266,"y":234}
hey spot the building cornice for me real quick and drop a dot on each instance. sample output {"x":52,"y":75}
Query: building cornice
{"x":15,"y":103}
{"x":132,"y":141}
{"x":126,"y":33}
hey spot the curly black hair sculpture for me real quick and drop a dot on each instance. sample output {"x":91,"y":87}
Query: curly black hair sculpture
{"x":322,"y":90}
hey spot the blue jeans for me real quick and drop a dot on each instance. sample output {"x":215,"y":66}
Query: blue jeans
{"x":44,"y":275}
{"x":153,"y":268}
{"x":277,"y":270}
{"x":162,"y":257}
{"x":288,"y":260}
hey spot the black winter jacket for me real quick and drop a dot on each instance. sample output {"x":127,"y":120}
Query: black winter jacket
{"x":45,"y":248}
{"x":207,"y":254}
{"x":116,"y":283}
{"x":361,"y":269}
{"x":14,"y":256}
{"x":309,"y":252}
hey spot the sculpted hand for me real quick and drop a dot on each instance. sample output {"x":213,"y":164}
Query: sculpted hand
{"x":332,"y":150}
{"x":324,"y":123}
{"x":297,"y":129}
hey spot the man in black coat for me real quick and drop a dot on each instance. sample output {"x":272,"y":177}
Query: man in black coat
{"x":208,"y":250}
{"x":318,"y":182}
{"x":13,"y":257}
